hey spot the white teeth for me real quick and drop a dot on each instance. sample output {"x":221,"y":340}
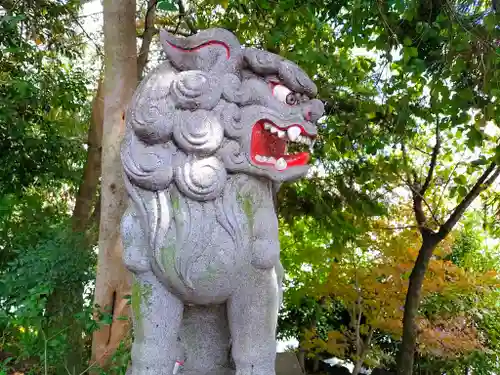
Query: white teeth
{"x":265,"y":159}
{"x":267,"y":126}
{"x":281,"y":133}
{"x":274,"y":130}
{"x":293,"y":133}
{"x":280,"y":164}
{"x":305,"y":140}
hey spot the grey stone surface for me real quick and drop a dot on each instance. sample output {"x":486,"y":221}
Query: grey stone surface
{"x":204,"y":150}
{"x":288,"y":364}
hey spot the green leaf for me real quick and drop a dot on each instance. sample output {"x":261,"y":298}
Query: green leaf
{"x":460,"y":180}
{"x":462,"y":191}
{"x":407,"y":41}
{"x":490,"y":21}
{"x":167,"y":5}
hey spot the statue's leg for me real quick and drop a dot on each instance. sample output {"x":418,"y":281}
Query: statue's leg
{"x":205,"y":337}
{"x":253,"y":315}
{"x":157,"y":316}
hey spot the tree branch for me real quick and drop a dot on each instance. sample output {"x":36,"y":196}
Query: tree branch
{"x":485,"y":181}
{"x":402,"y":227}
{"x":408,"y":170}
{"x":187,"y":19}
{"x":419,"y":211}
{"x":147,"y":37}
{"x":418,"y":194}
{"x":178,"y":32}
{"x":432,"y":165}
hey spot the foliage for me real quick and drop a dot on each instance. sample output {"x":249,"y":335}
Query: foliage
{"x":55,"y":263}
{"x":370,"y":280}
{"x":40,"y":128}
{"x":44,"y":267}
{"x":393,"y":75}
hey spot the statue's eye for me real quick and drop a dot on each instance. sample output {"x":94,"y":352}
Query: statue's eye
{"x":284,"y":94}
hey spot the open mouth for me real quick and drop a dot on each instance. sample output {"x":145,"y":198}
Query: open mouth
{"x":279,"y":147}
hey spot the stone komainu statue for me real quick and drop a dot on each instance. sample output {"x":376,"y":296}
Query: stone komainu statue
{"x":204,"y":149}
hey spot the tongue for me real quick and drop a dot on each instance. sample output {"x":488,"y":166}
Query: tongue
{"x":301,"y":158}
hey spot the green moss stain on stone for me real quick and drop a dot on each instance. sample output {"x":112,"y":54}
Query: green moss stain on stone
{"x":168,"y":258}
{"x":141,"y":296}
{"x":176,"y":210}
{"x":136,"y":299}
{"x":176,"y":206}
{"x":248,"y":209}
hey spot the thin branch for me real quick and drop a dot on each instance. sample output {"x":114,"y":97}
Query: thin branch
{"x":402,"y":227}
{"x":449,"y":179}
{"x":148,"y":34}
{"x":416,"y":194}
{"x":178,"y":31}
{"x":432,"y":165}
{"x":187,"y":19}
{"x":98,"y":48}
{"x":358,"y":311}
{"x":407,"y":166}
{"x":486,"y":179}
{"x":171,"y":30}
{"x":422,"y":151}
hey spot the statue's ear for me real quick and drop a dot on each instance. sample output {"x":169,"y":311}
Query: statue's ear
{"x":215,"y":50}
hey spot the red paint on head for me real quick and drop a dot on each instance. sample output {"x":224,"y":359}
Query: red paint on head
{"x":206,"y":44}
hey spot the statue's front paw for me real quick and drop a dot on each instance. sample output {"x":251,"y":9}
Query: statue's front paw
{"x":265,"y":254}
{"x":134,"y":261}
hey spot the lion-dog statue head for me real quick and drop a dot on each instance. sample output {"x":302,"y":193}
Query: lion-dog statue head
{"x":210,"y":134}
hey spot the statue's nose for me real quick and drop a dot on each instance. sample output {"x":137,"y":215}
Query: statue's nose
{"x":313,"y":110}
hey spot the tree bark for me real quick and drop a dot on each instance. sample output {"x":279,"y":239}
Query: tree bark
{"x":85,"y":197}
{"x":357,"y":367}
{"x":430,"y":240}
{"x":407,"y":349}
{"x":362,"y":351}
{"x":120,"y":79}
{"x":301,"y":357}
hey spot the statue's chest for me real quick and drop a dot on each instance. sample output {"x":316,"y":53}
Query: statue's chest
{"x":203,"y":252}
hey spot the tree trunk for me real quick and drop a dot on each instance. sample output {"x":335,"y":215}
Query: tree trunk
{"x":120,"y":79}
{"x":315,"y":365}
{"x":301,"y":357}
{"x":357,"y":367}
{"x":407,"y":350}
{"x":92,"y":171}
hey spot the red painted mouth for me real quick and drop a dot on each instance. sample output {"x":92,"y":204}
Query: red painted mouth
{"x":269,"y":145}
